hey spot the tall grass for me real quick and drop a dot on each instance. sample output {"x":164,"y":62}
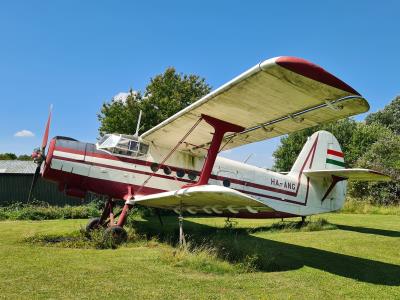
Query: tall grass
{"x":19,"y":211}
{"x":209,"y":249}
{"x":354,"y":206}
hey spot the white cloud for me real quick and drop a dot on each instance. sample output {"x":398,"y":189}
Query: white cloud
{"x":24,"y":133}
{"x":122,"y":96}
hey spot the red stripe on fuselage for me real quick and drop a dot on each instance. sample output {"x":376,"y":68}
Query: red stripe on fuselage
{"x":173,"y":168}
{"x":145,"y":163}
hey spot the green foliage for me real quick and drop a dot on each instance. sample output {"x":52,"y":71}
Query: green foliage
{"x":291,"y":145}
{"x":373,"y":145}
{"x":389,"y":116}
{"x":165,"y":95}
{"x":20,"y":211}
{"x":382,"y":156}
{"x":360,"y":258}
{"x":7,"y":156}
{"x":208,"y":249}
{"x":24,"y":157}
{"x":12,"y":156}
{"x":120,"y":117}
{"x":357,"y":206}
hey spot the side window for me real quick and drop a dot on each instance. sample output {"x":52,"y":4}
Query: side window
{"x":154,"y":167}
{"x":192,"y":175}
{"x":180,"y":173}
{"x":133,"y":146}
{"x":226,"y":182}
{"x":143,"y":148}
{"x":167,"y":170}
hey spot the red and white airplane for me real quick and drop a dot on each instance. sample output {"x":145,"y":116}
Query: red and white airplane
{"x":175,"y":165}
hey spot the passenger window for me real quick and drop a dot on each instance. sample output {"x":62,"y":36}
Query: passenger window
{"x":226,"y":183}
{"x":154,"y":167}
{"x":167,"y":170}
{"x":192,"y":175}
{"x":180,"y":173}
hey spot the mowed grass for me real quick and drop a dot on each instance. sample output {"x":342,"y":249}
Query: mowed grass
{"x":358,"y":257}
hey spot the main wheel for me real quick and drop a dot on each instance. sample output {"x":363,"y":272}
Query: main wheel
{"x":92,"y":224}
{"x":116,"y":234}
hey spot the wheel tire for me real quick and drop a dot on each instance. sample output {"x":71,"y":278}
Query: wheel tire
{"x":92,"y":225}
{"x":116,"y":235}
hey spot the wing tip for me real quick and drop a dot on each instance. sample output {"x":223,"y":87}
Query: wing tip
{"x":310,"y":70}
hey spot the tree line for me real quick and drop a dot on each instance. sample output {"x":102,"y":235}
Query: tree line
{"x":13,"y":156}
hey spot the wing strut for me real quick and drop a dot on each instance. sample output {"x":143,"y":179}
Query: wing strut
{"x":220,"y":128}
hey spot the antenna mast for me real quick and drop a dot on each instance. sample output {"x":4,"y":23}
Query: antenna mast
{"x":138,"y":124}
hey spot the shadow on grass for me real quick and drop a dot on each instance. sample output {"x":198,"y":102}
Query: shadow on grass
{"x":237,"y":245}
{"x":384,"y":232}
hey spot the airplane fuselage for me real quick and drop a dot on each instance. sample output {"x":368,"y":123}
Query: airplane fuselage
{"x":80,"y":167}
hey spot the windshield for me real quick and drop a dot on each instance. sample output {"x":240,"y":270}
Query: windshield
{"x":123,"y":145}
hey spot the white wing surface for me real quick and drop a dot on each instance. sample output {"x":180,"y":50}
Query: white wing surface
{"x":211,"y":199}
{"x":276,"y":97}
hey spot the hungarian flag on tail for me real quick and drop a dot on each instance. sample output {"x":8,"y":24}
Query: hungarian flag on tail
{"x":334,"y":157}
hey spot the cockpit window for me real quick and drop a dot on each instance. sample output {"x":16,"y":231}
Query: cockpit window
{"x":133,"y":146}
{"x":123,"y":145}
{"x":103,"y":138}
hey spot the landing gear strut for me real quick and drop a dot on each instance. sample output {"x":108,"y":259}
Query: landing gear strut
{"x":114,"y":229}
{"x":182,"y":241}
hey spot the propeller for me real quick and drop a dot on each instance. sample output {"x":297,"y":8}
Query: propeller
{"x":39,"y":156}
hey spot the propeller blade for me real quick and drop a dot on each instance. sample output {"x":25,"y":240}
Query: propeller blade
{"x":46,"y":132}
{"x":35,"y":178}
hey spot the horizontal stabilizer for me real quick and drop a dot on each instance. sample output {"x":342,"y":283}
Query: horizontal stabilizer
{"x":211,"y":199}
{"x":349,"y":174}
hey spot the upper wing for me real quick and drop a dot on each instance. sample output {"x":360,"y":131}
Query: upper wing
{"x":205,"y":198}
{"x":350,"y":174}
{"x":278,"y":96}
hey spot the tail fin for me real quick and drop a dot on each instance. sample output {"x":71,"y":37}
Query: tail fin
{"x":321,"y":152}
{"x":322,"y":177}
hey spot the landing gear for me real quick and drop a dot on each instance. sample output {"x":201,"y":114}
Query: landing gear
{"x":114,"y":229}
{"x":92,"y":225}
{"x":116,"y":234}
{"x":182,"y":241}
{"x":303,"y":220}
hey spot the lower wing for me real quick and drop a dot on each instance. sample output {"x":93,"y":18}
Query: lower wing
{"x":211,"y":199}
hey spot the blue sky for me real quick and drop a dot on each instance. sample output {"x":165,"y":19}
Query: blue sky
{"x":78,"y":54}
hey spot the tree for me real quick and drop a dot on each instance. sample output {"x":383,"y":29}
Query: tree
{"x":7,"y":156}
{"x":24,"y":157}
{"x":383,"y":156}
{"x":165,"y":95}
{"x":389,"y":116}
{"x":291,"y":144}
{"x":120,"y":116}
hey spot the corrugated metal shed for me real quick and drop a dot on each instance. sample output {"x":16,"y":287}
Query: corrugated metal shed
{"x":15,"y":181}
{"x":17,"y":166}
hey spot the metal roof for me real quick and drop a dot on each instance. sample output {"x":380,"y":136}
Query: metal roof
{"x":17,"y":167}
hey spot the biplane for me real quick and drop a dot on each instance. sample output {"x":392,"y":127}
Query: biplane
{"x":175,"y":165}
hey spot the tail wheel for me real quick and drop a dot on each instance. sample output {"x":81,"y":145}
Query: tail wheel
{"x":116,"y":234}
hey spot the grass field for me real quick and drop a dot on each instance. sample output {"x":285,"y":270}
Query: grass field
{"x":358,"y":259}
